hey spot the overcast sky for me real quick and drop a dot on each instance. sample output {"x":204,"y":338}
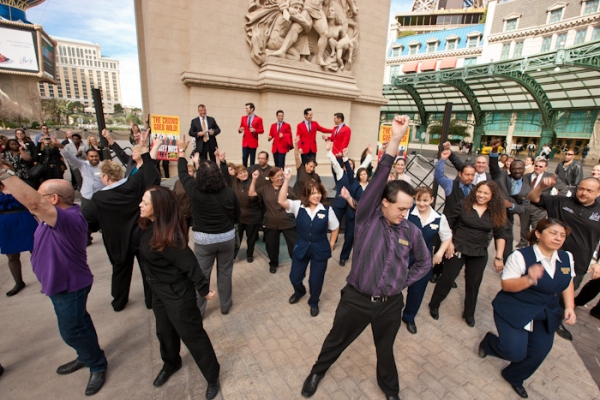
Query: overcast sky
{"x":111,"y":24}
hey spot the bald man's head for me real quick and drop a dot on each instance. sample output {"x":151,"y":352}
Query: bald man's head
{"x":62,"y":188}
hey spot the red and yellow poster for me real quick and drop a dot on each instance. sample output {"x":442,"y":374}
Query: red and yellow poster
{"x":166,"y":127}
{"x":385,"y":134}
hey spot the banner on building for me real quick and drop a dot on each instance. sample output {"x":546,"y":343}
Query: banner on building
{"x":166,"y":128}
{"x":385,"y":134}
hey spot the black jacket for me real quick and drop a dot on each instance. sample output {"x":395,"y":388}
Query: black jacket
{"x":212,"y":139}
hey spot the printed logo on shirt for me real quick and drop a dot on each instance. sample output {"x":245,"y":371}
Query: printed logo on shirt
{"x":568,"y":209}
{"x":595,"y":217}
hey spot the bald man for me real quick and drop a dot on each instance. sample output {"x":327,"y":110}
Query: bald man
{"x":59,"y":260}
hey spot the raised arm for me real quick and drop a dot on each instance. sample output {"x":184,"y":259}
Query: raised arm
{"x":335,"y":165}
{"x":438,"y":174}
{"x":189,"y":183}
{"x":283,"y":192}
{"x":494,"y":167}
{"x":535,"y":195}
{"x":252,"y":188}
{"x":297,"y":157}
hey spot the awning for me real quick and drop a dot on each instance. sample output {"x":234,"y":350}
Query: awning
{"x":428,"y":65}
{"x":448,"y":63}
{"x":410,"y":67}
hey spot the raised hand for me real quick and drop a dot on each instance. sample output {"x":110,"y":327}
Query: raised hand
{"x":400,"y":126}
{"x":182,"y":145}
{"x":287,"y":173}
{"x":446,"y":145}
{"x":255,"y":174}
{"x":105,"y":133}
{"x":345,"y":153}
{"x":369,"y":149}
{"x":444,"y":155}
{"x":548,"y":181}
{"x":144,"y":134}
{"x":495,"y":144}
{"x":196,"y":158}
{"x":344,"y":193}
{"x":222,"y":156}
{"x":328,"y":145}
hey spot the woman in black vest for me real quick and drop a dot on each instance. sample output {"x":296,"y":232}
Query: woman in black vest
{"x":174,"y":276}
{"x":313,"y":219}
{"x":527,"y":310}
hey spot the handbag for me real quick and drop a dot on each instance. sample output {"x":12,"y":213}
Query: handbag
{"x":36,"y":171}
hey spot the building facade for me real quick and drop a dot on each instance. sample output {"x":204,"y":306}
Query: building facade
{"x":80,"y":67}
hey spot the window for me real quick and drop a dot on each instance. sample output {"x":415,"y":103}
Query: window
{"x":591,"y":6}
{"x":473,"y":41}
{"x":528,"y":122}
{"x":432,"y":47}
{"x":518,"y":50}
{"x":561,"y":40}
{"x":577,"y":122}
{"x":546,"y":43}
{"x":394,"y":71}
{"x":556,"y":15}
{"x":412,"y":50}
{"x":580,"y":36}
{"x":396,"y":52}
{"x":470,"y":61}
{"x":498,"y":121}
{"x":511,"y":25}
{"x":451,"y":45}
{"x":596,"y":33}
{"x":505,"y":51}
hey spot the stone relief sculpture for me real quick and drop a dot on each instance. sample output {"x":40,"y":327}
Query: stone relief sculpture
{"x":321,"y":32}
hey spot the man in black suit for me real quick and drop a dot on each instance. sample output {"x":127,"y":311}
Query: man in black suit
{"x":480,"y":165}
{"x":534,"y":213}
{"x":205,"y":130}
{"x":515,"y":190}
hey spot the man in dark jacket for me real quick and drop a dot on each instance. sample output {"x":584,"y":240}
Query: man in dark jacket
{"x":205,"y":130}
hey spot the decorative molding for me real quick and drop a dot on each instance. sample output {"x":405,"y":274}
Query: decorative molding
{"x":512,"y":16}
{"x":502,"y":36}
{"x":440,"y":54}
{"x":557,"y":6}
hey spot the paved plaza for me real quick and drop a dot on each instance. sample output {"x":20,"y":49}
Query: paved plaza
{"x":266,"y":346}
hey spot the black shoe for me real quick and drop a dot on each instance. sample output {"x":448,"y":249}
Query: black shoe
{"x":310,"y":384}
{"x":18,"y":287}
{"x":224,"y":312}
{"x":393,"y":397}
{"x":250,"y":259}
{"x":564,"y":333}
{"x":95,"y":383}
{"x":212,"y":390}
{"x":520,"y":391}
{"x":342,"y":263}
{"x":70,"y":367}
{"x":434,"y":278}
{"x":314,"y":311}
{"x":411,"y":327}
{"x":482,"y":352}
{"x":1,"y":369}
{"x":272,"y":270}
{"x":594,"y":312}
{"x":454,"y":285}
{"x":294,"y":299}
{"x":163,"y":376}
{"x":435,"y":313}
{"x":470,"y":321}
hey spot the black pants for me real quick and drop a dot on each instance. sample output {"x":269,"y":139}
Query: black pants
{"x":509,"y":238}
{"x":308,"y":156}
{"x":251,"y":236}
{"x":272,"y":243}
{"x":354,"y":313}
{"x":474,"y":268}
{"x":279,"y":159}
{"x":178,"y":319}
{"x":165,"y":166}
{"x":247,"y":152}
{"x":588,"y":293}
{"x":121,"y":283}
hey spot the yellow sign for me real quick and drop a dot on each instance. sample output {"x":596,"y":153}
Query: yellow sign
{"x":385,"y":134}
{"x":166,"y":128}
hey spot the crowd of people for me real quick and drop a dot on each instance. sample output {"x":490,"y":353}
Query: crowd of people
{"x":220,"y":202}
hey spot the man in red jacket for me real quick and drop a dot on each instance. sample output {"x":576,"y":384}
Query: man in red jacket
{"x":251,"y":126}
{"x":281,"y":135}
{"x":307,"y":132}
{"x":340,"y":136}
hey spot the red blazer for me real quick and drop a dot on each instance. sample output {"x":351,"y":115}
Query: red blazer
{"x":251,"y":139}
{"x":284,"y":144}
{"x":341,"y":139}
{"x":307,"y":141}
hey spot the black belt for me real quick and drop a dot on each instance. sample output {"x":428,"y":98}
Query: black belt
{"x":373,"y":299}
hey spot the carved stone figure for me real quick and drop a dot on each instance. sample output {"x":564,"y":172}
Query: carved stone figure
{"x":324,"y":32}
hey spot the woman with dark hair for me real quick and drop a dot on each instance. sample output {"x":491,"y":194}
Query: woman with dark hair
{"x":20,"y":159}
{"x":174,"y":277}
{"x":313,"y":220}
{"x":250,"y":216}
{"x":215,"y":210}
{"x":400,"y":168}
{"x":183,"y":200}
{"x":49,"y":156}
{"x":305,"y":171}
{"x":472,"y":221}
{"x":527,"y":310}
{"x":276,"y":220}
{"x":134,"y":134}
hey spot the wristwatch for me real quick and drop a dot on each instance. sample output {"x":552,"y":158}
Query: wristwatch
{"x":6,"y":173}
{"x":499,"y":258}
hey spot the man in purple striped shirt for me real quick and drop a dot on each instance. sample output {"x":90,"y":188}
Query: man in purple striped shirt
{"x":379,"y":272}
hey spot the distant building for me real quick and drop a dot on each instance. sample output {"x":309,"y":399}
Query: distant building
{"x":79,"y":68}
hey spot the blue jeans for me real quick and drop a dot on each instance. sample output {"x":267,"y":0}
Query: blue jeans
{"x":77,"y":329}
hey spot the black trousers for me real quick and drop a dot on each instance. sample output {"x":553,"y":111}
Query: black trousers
{"x":121,"y":283}
{"x":474,"y":268}
{"x":178,"y":319}
{"x":250,"y":153}
{"x":279,"y":159}
{"x":251,"y":236}
{"x":354,"y":313}
{"x":588,"y":293}
{"x":308,"y":156}
{"x":272,"y":243}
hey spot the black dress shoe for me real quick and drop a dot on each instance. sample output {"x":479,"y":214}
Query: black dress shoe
{"x":393,"y":397}
{"x":95,"y":383}
{"x":454,"y":285}
{"x":272,"y":270}
{"x":482,"y":352}
{"x":434,"y":278}
{"x":70,"y":367}
{"x":595,"y":312}
{"x":470,"y":321}
{"x":250,"y":259}
{"x":411,"y":327}
{"x":342,"y":263}
{"x":18,"y":287}
{"x":520,"y":391}
{"x":224,"y":312}
{"x":294,"y":299}
{"x":212,"y":390}
{"x":163,"y":376}
{"x":1,"y":369}
{"x":564,"y":333}
{"x":314,"y":311}
{"x":435,"y":313}
{"x":310,"y":384}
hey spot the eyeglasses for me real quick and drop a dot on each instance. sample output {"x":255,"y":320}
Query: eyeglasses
{"x":52,"y":194}
{"x":569,"y":154}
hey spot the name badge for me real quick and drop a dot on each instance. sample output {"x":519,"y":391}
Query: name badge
{"x":434,"y":226}
{"x":565,"y":270}
{"x":321,"y":216}
{"x":403,"y":242}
